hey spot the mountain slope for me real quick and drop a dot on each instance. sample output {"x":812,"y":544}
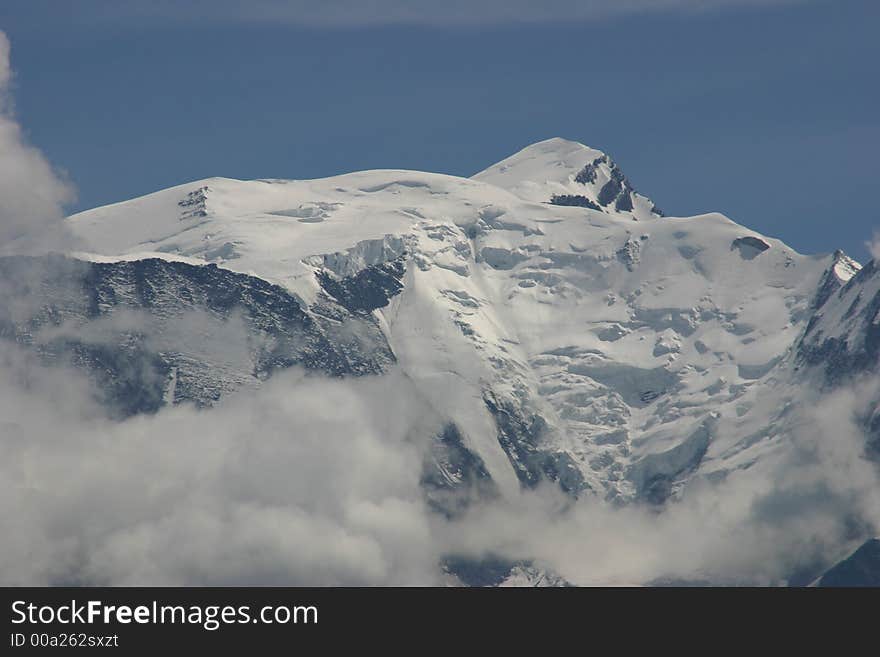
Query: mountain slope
{"x":861,"y":568}
{"x":563,"y":342}
{"x":565,"y":172}
{"x":559,"y":327}
{"x":153,"y":332}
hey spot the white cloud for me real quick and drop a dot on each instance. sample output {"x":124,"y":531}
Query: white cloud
{"x":799,"y":508}
{"x":310,"y":481}
{"x":5,"y":70}
{"x":873,"y":245}
{"x":32,"y":195}
{"x":316,"y":481}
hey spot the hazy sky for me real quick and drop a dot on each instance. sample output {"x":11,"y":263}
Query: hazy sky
{"x":765,"y":110}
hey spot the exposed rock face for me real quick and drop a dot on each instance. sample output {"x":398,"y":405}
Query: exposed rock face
{"x":589,"y":173}
{"x":842,"y":337}
{"x":152,"y":332}
{"x":617,"y":190}
{"x":577,"y":200}
{"x":628,"y":254}
{"x":522,"y":436}
{"x":493,"y":570}
{"x":861,"y":568}
{"x":454,"y":476}
{"x":369,"y":289}
{"x":195,"y":204}
{"x":841,"y":269}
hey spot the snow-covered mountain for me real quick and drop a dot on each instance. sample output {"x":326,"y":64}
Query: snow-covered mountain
{"x":563,"y":327}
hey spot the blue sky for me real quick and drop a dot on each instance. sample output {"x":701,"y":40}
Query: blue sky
{"x":765,"y":110}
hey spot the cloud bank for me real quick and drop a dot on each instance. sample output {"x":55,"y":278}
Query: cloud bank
{"x":315,"y":481}
{"x":309,"y":481}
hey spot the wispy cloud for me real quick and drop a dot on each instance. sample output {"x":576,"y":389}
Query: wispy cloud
{"x":365,"y":13}
{"x":318,"y":477}
{"x":873,"y":245}
{"x":465,"y":12}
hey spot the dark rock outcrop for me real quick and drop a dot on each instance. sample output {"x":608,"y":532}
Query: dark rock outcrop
{"x":521,"y":435}
{"x":575,"y":200}
{"x":861,"y":568}
{"x":152,"y":332}
{"x":369,"y":289}
{"x":454,"y":476}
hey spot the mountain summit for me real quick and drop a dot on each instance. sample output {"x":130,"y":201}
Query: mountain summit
{"x":568,"y":173}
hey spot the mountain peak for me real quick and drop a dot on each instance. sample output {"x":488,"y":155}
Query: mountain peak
{"x":555,"y":157}
{"x":560,"y":146}
{"x":565,"y":172}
